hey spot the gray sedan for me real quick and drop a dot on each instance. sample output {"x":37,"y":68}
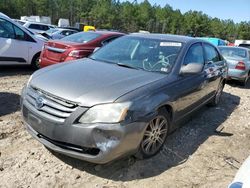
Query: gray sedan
{"x":238,"y":60}
{"x":125,"y":98}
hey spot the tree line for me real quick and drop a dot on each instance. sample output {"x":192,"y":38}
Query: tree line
{"x":129,"y":17}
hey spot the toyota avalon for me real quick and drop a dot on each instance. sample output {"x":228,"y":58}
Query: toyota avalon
{"x":125,"y":98}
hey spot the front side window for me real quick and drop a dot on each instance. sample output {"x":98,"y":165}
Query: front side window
{"x":154,"y":55}
{"x":194,"y":54}
{"x":19,"y":33}
{"x":211,"y":53}
{"x":6,"y":29}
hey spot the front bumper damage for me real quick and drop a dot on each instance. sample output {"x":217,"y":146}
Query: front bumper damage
{"x":96,"y":143}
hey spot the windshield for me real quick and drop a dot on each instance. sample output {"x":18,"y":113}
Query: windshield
{"x":142,"y":53}
{"x":233,"y":52}
{"x":82,"y":37}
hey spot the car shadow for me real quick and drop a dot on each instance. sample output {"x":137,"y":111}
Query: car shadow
{"x":13,"y":70}
{"x":9,"y":103}
{"x":178,"y":147}
{"x":235,"y":83}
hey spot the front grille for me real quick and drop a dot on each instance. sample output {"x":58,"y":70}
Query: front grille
{"x":52,"y":108}
{"x":72,"y":147}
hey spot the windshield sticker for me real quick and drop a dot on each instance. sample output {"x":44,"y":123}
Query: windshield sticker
{"x":170,"y":44}
{"x":164,"y":69}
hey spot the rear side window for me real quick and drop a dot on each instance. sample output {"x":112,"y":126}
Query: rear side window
{"x":211,"y":53}
{"x":194,"y":54}
{"x":82,"y":37}
{"x":6,"y":29}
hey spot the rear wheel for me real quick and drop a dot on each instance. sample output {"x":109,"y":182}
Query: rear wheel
{"x":154,"y":135}
{"x":35,"y":64}
{"x":244,"y":82}
{"x":218,"y":94}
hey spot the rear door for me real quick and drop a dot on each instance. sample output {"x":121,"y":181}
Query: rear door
{"x":13,"y":46}
{"x":214,"y":67}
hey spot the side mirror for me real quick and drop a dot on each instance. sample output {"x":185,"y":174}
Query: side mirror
{"x":191,"y":68}
{"x":97,"y":48}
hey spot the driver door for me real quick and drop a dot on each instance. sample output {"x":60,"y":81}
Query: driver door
{"x":191,"y":88}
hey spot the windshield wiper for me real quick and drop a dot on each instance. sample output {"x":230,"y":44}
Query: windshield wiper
{"x":127,"y":66}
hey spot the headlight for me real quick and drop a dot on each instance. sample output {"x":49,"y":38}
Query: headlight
{"x":106,"y":113}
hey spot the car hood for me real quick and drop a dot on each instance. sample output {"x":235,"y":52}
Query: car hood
{"x":90,"y":82}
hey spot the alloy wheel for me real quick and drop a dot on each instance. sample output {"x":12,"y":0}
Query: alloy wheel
{"x":154,"y":135}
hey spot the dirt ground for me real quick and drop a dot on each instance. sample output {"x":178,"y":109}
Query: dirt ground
{"x":195,"y":155}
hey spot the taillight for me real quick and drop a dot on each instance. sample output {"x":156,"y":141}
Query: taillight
{"x":77,"y":53}
{"x":241,"y":66}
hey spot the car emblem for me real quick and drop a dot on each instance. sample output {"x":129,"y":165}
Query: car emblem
{"x":40,"y":102}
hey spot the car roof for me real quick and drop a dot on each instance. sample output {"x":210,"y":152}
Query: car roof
{"x":107,"y":32}
{"x":170,"y":37}
{"x":236,"y":47}
{"x":39,"y":23}
{"x":4,"y":15}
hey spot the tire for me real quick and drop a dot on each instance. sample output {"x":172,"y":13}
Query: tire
{"x":154,"y":136}
{"x":215,"y":101}
{"x":35,"y":64}
{"x":244,"y":82}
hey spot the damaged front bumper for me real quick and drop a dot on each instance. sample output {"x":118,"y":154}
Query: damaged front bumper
{"x":96,"y":143}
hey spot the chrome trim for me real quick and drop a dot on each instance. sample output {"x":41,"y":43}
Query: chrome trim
{"x":58,"y":50}
{"x":54,"y":108}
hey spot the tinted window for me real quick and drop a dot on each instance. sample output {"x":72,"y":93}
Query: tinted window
{"x":19,"y":33}
{"x":6,"y":29}
{"x":153,"y":55}
{"x":194,"y":54}
{"x":39,"y":27}
{"x":211,"y":53}
{"x":82,"y":37}
{"x":245,"y":45}
{"x":108,"y":40}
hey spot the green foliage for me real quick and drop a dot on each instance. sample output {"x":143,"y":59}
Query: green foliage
{"x":129,"y":17}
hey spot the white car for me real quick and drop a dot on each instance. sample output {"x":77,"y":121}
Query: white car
{"x":18,"y":45}
{"x":38,"y":27}
{"x":242,"y":178}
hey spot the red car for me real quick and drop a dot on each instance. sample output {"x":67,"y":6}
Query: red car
{"x":75,"y":46}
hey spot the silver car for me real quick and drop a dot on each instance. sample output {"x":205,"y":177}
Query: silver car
{"x":125,"y":98}
{"x":238,"y":60}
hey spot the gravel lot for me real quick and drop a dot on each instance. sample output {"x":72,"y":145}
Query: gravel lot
{"x":198,"y":154}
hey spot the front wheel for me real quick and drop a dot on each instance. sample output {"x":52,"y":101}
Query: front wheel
{"x":154,"y":136}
